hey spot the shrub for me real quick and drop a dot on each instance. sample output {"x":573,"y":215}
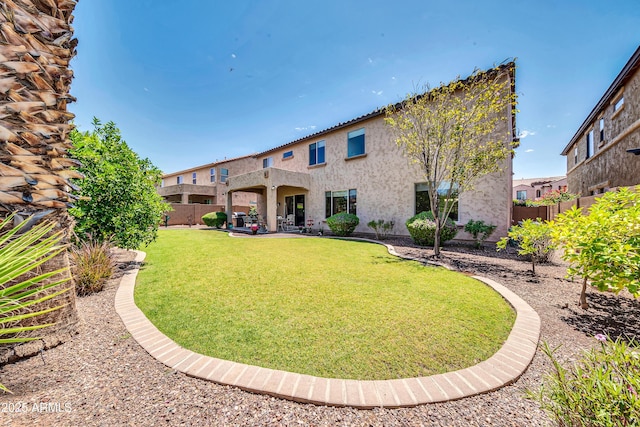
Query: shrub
{"x":600,"y":390}
{"x":26,"y":289}
{"x":603,"y":247}
{"x":214,"y":219}
{"x":479,"y":230}
{"x":93,"y":265}
{"x":422,"y":229}
{"x":343,"y":224}
{"x":533,"y":238}
{"x":381,"y":227}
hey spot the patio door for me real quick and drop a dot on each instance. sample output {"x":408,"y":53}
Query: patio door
{"x":295,"y":207}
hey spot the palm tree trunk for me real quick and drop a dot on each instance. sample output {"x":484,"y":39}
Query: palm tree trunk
{"x":36,"y":46}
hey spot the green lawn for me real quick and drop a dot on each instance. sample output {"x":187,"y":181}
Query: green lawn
{"x":324,"y":307}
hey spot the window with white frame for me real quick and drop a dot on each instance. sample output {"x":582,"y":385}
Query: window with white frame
{"x":341,"y":201}
{"x":194,"y":178}
{"x":179,"y":179}
{"x":267,"y":163}
{"x":316,"y":153}
{"x":212,"y":175}
{"x":224,"y":174}
{"x":355,"y":143}
{"x":521,"y":194}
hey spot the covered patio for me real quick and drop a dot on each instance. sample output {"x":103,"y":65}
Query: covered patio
{"x":283,"y":203}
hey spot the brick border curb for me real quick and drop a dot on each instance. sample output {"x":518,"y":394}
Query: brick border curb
{"x":501,"y":369}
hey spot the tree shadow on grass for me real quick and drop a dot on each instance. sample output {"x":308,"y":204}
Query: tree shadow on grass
{"x":609,"y":314}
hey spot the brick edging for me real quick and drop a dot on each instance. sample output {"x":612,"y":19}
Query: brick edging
{"x":503,"y":368}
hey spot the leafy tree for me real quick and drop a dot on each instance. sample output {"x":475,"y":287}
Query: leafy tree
{"x":533,"y":238}
{"x":118,"y":198}
{"x":603,"y":247}
{"x":457,"y":133}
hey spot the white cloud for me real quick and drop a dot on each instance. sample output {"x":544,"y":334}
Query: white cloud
{"x":377,"y":93}
{"x":530,"y":150}
{"x":233,"y":55}
{"x":146,"y":90}
{"x":370,"y":60}
{"x":300,"y":129}
{"x":551,"y":126}
{"x":525,"y":133}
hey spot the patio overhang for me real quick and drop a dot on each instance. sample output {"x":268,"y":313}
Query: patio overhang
{"x":266,"y":182}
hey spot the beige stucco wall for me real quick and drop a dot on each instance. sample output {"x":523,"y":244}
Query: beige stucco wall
{"x":204,"y":189}
{"x":385,"y":181}
{"x":610,"y":166}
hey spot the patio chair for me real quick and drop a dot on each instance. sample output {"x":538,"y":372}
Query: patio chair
{"x":290,"y":223}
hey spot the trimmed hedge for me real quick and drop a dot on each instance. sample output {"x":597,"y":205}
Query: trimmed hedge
{"x":214,"y":219}
{"x":422,"y":229}
{"x":343,"y":224}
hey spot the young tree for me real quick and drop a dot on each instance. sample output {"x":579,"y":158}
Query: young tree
{"x":457,"y":133}
{"x":36,"y":46}
{"x":118,"y":198}
{"x":603,"y":247}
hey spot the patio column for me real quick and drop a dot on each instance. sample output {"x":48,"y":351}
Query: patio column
{"x":185,"y":198}
{"x":272,"y":208}
{"x":229,"y":207}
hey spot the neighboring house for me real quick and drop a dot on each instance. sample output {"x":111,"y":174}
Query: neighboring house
{"x":597,"y":156}
{"x":357,"y":167}
{"x":206,"y":184}
{"x":533,"y":188}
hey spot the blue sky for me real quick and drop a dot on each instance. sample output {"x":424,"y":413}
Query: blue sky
{"x":195,"y":81}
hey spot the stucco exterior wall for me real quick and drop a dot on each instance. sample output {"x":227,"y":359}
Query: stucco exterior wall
{"x":610,"y":165}
{"x":385,"y":181}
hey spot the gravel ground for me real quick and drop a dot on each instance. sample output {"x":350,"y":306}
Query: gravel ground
{"x":101,"y":377}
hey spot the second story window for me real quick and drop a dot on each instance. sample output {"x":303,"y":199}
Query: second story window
{"x":162,"y":183}
{"x":224,"y":174}
{"x":212,"y":174}
{"x":575,"y":156}
{"x":267,"y":163}
{"x":618,"y":104}
{"x":179,"y":179}
{"x":287,"y":154}
{"x":194,"y":178}
{"x":355,"y":143}
{"x":590,"y":144}
{"x":316,"y":153}
{"x":601,"y":130}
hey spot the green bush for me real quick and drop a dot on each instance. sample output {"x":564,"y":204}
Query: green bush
{"x":479,"y":230}
{"x":343,"y":224}
{"x":601,"y":389}
{"x":422,"y":229}
{"x":214,"y":219}
{"x":93,"y":265}
{"x":381,"y":227}
{"x":533,"y":238}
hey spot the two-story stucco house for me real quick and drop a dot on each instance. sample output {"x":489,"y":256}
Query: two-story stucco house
{"x":597,"y":156}
{"x":356,"y":167}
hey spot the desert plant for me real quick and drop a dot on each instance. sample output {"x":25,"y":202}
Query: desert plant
{"x":601,"y":389}
{"x":214,"y":219}
{"x":533,"y":238}
{"x":381,"y":227}
{"x":253,"y":212}
{"x":93,"y":265}
{"x":422,"y":229}
{"x":479,"y":230}
{"x":23,"y":289}
{"x":343,"y":223}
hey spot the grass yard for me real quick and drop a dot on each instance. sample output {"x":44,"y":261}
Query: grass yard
{"x":324,"y":307}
